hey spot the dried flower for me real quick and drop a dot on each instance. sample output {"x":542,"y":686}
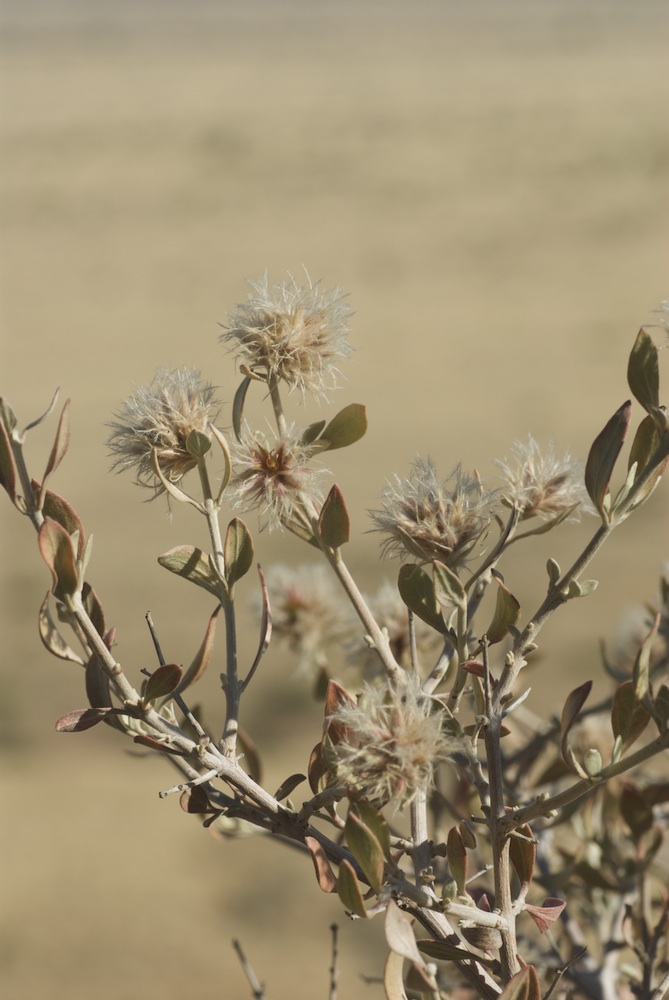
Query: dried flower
{"x":432,"y":519}
{"x":292,"y":334}
{"x":276,"y":478}
{"x":391,"y":614}
{"x":160,"y":416}
{"x":308,"y":613}
{"x":391,"y":742}
{"x":543,"y":485}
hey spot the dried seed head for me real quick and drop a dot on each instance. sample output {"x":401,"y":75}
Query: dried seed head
{"x":392,"y":741}
{"x":307,"y":613}
{"x":277,"y":478}
{"x":161,"y":416}
{"x":435,"y":520}
{"x":543,"y":485}
{"x":291,"y":334}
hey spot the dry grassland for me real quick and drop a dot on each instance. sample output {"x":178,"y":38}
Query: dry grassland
{"x":488,"y":181}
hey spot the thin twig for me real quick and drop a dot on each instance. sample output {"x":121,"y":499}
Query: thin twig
{"x":258,"y":991}
{"x":334,"y":967}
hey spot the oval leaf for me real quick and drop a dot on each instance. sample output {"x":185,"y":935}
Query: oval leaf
{"x":603,"y":456}
{"x":445,"y":952}
{"x":345,"y":428}
{"x":193,"y":565}
{"x":348,"y":889}
{"x":643,"y":376}
{"x":366,"y":849}
{"x":287,"y":786}
{"x":522,"y":853}
{"x":507,"y":612}
{"x":629,"y":718}
{"x":60,"y":443}
{"x":417,"y":591}
{"x":393,"y":978}
{"x":448,"y":590}
{"x":457,"y":859}
{"x":58,"y":553}
{"x":237,"y":551}
{"x":373,"y":819}
{"x":7,"y":464}
{"x":162,"y":682}
{"x":399,"y":934}
{"x":83,"y":718}
{"x":334,"y":526}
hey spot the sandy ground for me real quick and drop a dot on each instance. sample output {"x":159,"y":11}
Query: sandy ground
{"x":488,"y":182}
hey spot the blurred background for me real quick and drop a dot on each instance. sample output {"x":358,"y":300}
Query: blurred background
{"x":488,"y":183}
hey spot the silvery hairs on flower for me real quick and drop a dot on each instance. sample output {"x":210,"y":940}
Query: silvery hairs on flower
{"x":541,"y":484}
{"x":433,"y":519}
{"x":291,"y":334}
{"x":160,"y":416}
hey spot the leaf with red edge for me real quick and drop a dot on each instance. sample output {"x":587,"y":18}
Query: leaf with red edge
{"x":547,"y":913}
{"x":603,"y":456}
{"x":60,"y":444}
{"x":58,"y":553}
{"x":81,"y":719}
{"x":318,"y":772}
{"x":324,"y":874}
{"x":58,"y":508}
{"x":153,"y":744}
{"x":336,"y":696}
{"x":162,"y":682}
{"x":195,"y":800}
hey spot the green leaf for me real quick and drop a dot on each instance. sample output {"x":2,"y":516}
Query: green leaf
{"x":192,"y":564}
{"x":448,"y":590}
{"x":97,"y":683}
{"x":641,"y":672}
{"x":417,"y":591}
{"x":661,"y":708}
{"x":58,"y":553}
{"x":346,"y":427}
{"x":365,"y":848}
{"x":334,"y":526}
{"x":287,"y":786}
{"x":238,"y":407}
{"x":572,"y":706}
{"x":349,"y":891}
{"x":553,"y":570}
{"x":162,"y":682}
{"x":643,"y":374}
{"x":319,"y":774}
{"x":507,"y":611}
{"x":457,"y":859}
{"x":237,"y":552}
{"x":646,"y":440}
{"x":312,"y":432}
{"x":198,"y":444}
{"x":629,"y":717}
{"x":444,"y":952}
{"x":603,"y":456}
{"x":373,"y":819}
